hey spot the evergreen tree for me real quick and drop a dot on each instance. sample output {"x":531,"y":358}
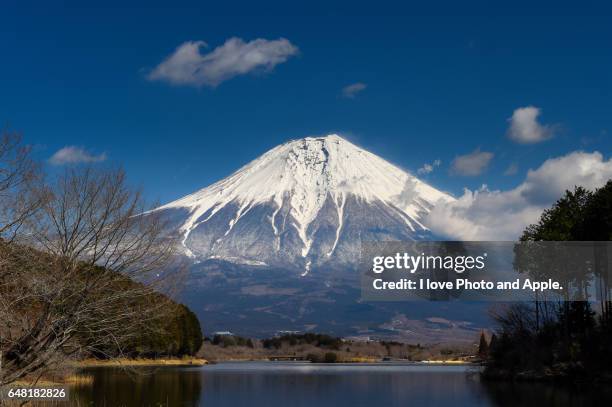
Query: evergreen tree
{"x":569,"y":340}
{"x":483,"y":347}
{"x":597,"y":226}
{"x":563,"y":220}
{"x":492,"y":343}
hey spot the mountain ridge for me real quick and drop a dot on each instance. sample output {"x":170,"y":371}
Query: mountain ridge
{"x":275,"y":245}
{"x":304,"y":202}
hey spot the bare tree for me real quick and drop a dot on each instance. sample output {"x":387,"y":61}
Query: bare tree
{"x":87,"y":279}
{"x":20,"y":193}
{"x":515,"y":318}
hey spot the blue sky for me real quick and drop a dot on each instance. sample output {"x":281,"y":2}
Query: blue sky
{"x":436,"y":87}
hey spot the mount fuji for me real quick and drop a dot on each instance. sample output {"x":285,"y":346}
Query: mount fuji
{"x":304,"y":204}
{"x":275,"y":245}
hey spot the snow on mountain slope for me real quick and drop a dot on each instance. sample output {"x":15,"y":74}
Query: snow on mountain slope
{"x":305,"y":202}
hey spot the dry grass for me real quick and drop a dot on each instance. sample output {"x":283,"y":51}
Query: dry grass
{"x":71,"y":380}
{"x":361,"y":359}
{"x":141,"y":362}
{"x":77,"y":380}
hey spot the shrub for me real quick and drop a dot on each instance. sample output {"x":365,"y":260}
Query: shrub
{"x":313,"y":357}
{"x":330,"y":357}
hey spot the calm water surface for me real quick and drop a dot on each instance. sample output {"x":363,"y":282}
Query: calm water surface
{"x":296,"y":384}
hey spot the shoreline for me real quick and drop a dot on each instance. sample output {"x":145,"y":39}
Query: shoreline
{"x":360,"y":361}
{"x":81,"y":378}
{"x":144,"y":362}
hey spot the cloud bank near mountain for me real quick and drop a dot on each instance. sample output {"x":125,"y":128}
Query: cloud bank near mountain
{"x":486,"y":214}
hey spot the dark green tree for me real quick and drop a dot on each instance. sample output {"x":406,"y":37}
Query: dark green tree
{"x":330,"y":357}
{"x":483,"y":347}
{"x":562,"y":222}
{"x":568,"y":340}
{"x":492,"y":343}
{"x":597,"y":226}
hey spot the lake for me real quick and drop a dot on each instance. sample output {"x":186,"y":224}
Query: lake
{"x":296,"y":384}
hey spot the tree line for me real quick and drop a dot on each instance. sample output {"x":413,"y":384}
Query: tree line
{"x":561,"y":338}
{"x":314,"y":339}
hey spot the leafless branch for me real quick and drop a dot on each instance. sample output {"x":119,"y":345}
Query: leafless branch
{"x":85,"y":279}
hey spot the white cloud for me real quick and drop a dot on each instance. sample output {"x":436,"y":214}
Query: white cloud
{"x":425,"y":169}
{"x":503,"y":215}
{"x":352,"y":90}
{"x":428,"y":168}
{"x":471,"y":164}
{"x":525,"y":128}
{"x":188,"y":66}
{"x":482,"y":215}
{"x":75,"y":155}
{"x":546,"y":184}
{"x":511,"y":170}
{"x":409,"y":192}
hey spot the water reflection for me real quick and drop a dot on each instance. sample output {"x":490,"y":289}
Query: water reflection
{"x":301,"y":384}
{"x":545,"y":394}
{"x":145,"y":387}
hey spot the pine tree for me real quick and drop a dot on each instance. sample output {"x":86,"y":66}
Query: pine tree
{"x":483,"y":347}
{"x":568,"y":334}
{"x":598,"y":227}
{"x":492,"y":343}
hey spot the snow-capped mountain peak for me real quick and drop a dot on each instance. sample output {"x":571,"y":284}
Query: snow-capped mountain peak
{"x":295,"y":191}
